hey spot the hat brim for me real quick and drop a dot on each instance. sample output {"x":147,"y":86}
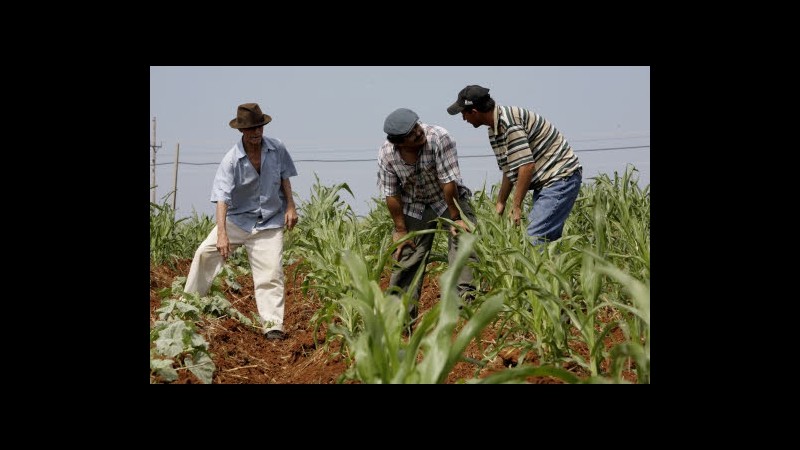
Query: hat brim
{"x":455,"y":108}
{"x":264,"y":120}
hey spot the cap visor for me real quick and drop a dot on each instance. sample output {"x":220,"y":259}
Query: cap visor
{"x":455,"y":108}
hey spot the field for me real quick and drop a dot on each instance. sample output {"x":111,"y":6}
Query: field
{"x":243,"y":356}
{"x":576,"y":313}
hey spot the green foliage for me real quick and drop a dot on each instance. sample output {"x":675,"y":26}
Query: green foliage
{"x":546,"y":291}
{"x":172,"y":239}
{"x":174,"y":333}
{"x":327,"y":227}
{"x":172,"y":339}
{"x":545,"y":301}
{"x":380,"y":352}
{"x":555,"y":288}
{"x":191,"y":306}
{"x":519,"y":374}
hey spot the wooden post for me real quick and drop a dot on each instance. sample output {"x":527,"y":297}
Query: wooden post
{"x":154,"y":147}
{"x":175,"y":182}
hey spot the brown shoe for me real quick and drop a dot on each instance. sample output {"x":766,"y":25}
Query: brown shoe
{"x":275,"y":334}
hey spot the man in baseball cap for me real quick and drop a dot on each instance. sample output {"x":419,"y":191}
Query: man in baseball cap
{"x":533,"y":156}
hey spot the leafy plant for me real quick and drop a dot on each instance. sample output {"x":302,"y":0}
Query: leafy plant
{"x":380,"y":352}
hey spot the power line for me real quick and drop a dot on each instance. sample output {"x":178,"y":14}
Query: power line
{"x":610,"y":148}
{"x":460,"y":156}
{"x":299,"y":148}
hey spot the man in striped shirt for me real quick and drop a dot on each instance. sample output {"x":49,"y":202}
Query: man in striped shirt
{"x":533,"y":155}
{"x":419,"y":176}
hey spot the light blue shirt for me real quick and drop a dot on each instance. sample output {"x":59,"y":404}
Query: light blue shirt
{"x":255,"y":201}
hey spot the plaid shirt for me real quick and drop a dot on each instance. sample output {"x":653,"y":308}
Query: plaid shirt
{"x":419,"y":184}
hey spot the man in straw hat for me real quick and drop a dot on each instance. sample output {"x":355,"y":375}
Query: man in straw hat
{"x":254,"y":204}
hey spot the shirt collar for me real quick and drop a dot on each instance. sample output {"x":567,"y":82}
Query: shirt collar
{"x":496,"y":117}
{"x":240,"y":153}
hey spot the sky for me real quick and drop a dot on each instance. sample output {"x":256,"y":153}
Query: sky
{"x":331,"y":120}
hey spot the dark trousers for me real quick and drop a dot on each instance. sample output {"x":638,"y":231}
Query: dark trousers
{"x":410,"y":259}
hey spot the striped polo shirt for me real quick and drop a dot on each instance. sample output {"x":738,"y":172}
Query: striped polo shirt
{"x":521,"y":136}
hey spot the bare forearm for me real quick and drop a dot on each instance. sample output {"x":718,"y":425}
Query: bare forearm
{"x":223,"y":244}
{"x":450,"y":195}
{"x":451,"y":198}
{"x":222,"y":214}
{"x":395,"y":206}
{"x":286,"y":185}
{"x":290,"y":217}
{"x":505,"y":189}
{"x":524,"y":177}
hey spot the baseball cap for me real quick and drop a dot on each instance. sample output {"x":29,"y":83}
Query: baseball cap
{"x":468,"y":96}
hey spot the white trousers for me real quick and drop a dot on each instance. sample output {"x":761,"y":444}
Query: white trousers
{"x":265,"y":253}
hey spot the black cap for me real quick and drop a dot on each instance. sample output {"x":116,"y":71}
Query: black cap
{"x":468,"y":96}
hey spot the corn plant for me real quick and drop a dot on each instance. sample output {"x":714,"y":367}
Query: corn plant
{"x":163,"y":234}
{"x":551,"y":290}
{"x":637,"y":346}
{"x":172,"y":239}
{"x":545,"y":301}
{"x":379,"y":351}
{"x":328,"y":227}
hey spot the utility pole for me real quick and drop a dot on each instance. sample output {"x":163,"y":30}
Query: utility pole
{"x":155,"y":148}
{"x":175,"y":185}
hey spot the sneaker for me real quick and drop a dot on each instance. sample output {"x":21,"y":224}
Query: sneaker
{"x":275,"y":334}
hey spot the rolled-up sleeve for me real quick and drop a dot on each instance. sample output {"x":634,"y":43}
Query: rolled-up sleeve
{"x":223,"y":181}
{"x":287,"y":163}
{"x":447,"y":161}
{"x":388,"y":183}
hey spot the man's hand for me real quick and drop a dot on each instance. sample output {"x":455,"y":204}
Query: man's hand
{"x":224,"y":246}
{"x":396,"y":236}
{"x":290,"y":218}
{"x":459,"y":226}
{"x":516,"y":214}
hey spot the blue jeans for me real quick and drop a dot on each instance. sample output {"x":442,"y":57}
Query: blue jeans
{"x":551,"y":207}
